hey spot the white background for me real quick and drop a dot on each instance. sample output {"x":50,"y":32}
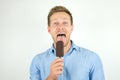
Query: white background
{"x":23,"y":33}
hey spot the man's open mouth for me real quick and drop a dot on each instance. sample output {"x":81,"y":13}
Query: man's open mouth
{"x":61,"y":35}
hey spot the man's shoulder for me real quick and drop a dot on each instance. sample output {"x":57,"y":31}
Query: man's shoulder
{"x":82,"y":51}
{"x":87,"y":52}
{"x":41,"y":54}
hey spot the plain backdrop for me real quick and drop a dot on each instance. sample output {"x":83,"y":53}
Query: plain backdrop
{"x":23,"y":33}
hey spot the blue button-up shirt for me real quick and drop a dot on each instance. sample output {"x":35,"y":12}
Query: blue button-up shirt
{"x":79,"y":64}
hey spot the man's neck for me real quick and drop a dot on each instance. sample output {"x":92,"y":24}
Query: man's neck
{"x":67,"y":47}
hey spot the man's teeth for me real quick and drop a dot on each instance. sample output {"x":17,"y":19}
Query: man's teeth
{"x":61,"y":35}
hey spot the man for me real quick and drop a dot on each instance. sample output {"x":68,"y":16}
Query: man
{"x":77,"y":63}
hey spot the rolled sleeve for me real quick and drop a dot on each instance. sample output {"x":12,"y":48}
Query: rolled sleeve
{"x":34,"y":71}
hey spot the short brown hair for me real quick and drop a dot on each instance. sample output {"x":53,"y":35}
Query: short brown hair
{"x":59,"y":9}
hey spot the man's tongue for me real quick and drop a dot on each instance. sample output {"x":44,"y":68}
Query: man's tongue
{"x":61,"y":38}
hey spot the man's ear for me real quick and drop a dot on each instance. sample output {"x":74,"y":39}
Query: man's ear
{"x":72,"y":27}
{"x":48,"y":29}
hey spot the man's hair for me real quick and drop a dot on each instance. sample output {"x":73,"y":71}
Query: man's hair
{"x":59,"y":9}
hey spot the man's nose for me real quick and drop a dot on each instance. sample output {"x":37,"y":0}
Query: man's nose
{"x":60,"y":26}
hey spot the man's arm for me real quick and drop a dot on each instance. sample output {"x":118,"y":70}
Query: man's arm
{"x":96,"y":72}
{"x":34,"y":71}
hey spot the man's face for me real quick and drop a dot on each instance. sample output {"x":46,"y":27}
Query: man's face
{"x":60,"y":27}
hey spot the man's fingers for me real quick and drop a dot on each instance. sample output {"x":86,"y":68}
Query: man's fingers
{"x":57,"y":60}
{"x":57,"y":67}
{"x":59,"y":70}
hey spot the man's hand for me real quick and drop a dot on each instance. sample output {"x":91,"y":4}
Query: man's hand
{"x":56,"y":69}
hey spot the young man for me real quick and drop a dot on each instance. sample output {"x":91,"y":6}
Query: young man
{"x":77,"y":63}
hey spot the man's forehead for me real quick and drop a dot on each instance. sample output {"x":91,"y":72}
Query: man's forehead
{"x":60,"y":14}
{"x":56,"y":19}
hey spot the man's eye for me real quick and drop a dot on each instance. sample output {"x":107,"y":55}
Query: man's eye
{"x":55,"y":23}
{"x":65,"y":23}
